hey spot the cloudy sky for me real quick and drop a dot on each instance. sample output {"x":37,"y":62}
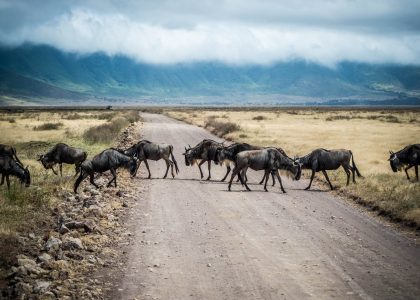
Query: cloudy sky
{"x":231,"y":31}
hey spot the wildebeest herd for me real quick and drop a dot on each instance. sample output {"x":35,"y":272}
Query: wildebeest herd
{"x":241,"y":155}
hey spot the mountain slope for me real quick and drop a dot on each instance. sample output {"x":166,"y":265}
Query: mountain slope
{"x":101,"y":75}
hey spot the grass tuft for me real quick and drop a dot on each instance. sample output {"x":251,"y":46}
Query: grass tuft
{"x":49,"y":126}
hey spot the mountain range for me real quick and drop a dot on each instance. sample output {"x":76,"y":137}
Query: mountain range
{"x":46,"y":75}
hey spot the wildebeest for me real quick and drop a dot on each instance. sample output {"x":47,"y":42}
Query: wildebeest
{"x":63,"y":154}
{"x":145,"y":150}
{"x":408,"y":157}
{"x":9,"y":166}
{"x":323,"y":160}
{"x":227,"y":155}
{"x":205,"y":151}
{"x":6,"y":150}
{"x":109,"y":159}
{"x":269,"y":159}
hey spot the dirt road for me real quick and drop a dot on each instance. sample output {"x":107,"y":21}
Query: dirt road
{"x":195,"y":240}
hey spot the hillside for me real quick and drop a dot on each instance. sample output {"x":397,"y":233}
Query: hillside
{"x":47,"y":72}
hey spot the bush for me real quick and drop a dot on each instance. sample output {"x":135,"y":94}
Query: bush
{"x":12,"y":120}
{"x":105,"y":133}
{"x":259,"y":118}
{"x":132,"y":116}
{"x":392,"y":119}
{"x":339,"y":117}
{"x":49,"y":126}
{"x":74,"y":116}
{"x":221,"y":128}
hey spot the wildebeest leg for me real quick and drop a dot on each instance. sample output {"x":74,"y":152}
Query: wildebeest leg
{"x":114,"y":178}
{"x":77,"y":167}
{"x":416,"y":168}
{"x":80,"y":179}
{"x":167,"y":169}
{"x":138,"y":166}
{"x":326,"y":177}
{"x":2,"y":179}
{"x":281,"y":184}
{"x":245,"y":178}
{"x":272,"y":177}
{"x":199,"y":167}
{"x":310,"y":182}
{"x":234,"y":173}
{"x":227,"y":173}
{"x":266,"y":175}
{"x":148,"y":170}
{"x":52,"y":168}
{"x":8,"y":182}
{"x":262,"y":180}
{"x":406,"y":173}
{"x":172,"y":168}
{"x":92,"y":180}
{"x":61,"y":170}
{"x":348,"y":174}
{"x":209,"y":166}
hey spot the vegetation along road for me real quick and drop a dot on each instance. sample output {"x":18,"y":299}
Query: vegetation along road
{"x":195,"y":240}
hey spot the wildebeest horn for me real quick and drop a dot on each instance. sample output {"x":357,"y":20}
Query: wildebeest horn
{"x":40,"y":157}
{"x":390,"y":152}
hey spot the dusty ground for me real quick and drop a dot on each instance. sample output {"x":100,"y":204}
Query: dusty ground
{"x":192,"y":239}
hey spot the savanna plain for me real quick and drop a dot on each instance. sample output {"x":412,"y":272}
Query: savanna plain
{"x":369,"y":133}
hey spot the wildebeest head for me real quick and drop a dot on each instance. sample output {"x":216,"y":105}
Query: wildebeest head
{"x":132,"y":166}
{"x":45,"y":161}
{"x":220,"y":154}
{"x":297,"y":168}
{"x":188,"y":156}
{"x":395,"y":163}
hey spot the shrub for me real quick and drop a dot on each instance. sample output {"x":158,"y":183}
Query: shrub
{"x":339,"y":117}
{"x":132,"y":116}
{"x":74,"y":116}
{"x":105,"y":133}
{"x":12,"y":120}
{"x":49,"y":126}
{"x":259,"y":118}
{"x":392,"y":119}
{"x":221,"y":128}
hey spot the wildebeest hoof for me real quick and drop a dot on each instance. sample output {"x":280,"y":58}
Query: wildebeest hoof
{"x":266,"y":190}
{"x":307,"y":188}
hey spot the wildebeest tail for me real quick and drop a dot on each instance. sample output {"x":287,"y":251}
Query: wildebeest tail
{"x":173,"y":159}
{"x":354,"y":165}
{"x":15,"y":155}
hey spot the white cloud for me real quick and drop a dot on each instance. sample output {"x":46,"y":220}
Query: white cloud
{"x":238,"y":36}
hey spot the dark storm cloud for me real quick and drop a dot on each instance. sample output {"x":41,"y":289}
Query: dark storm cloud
{"x":230,"y":31}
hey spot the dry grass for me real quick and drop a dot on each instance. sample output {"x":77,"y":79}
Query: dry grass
{"x":369,"y":134}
